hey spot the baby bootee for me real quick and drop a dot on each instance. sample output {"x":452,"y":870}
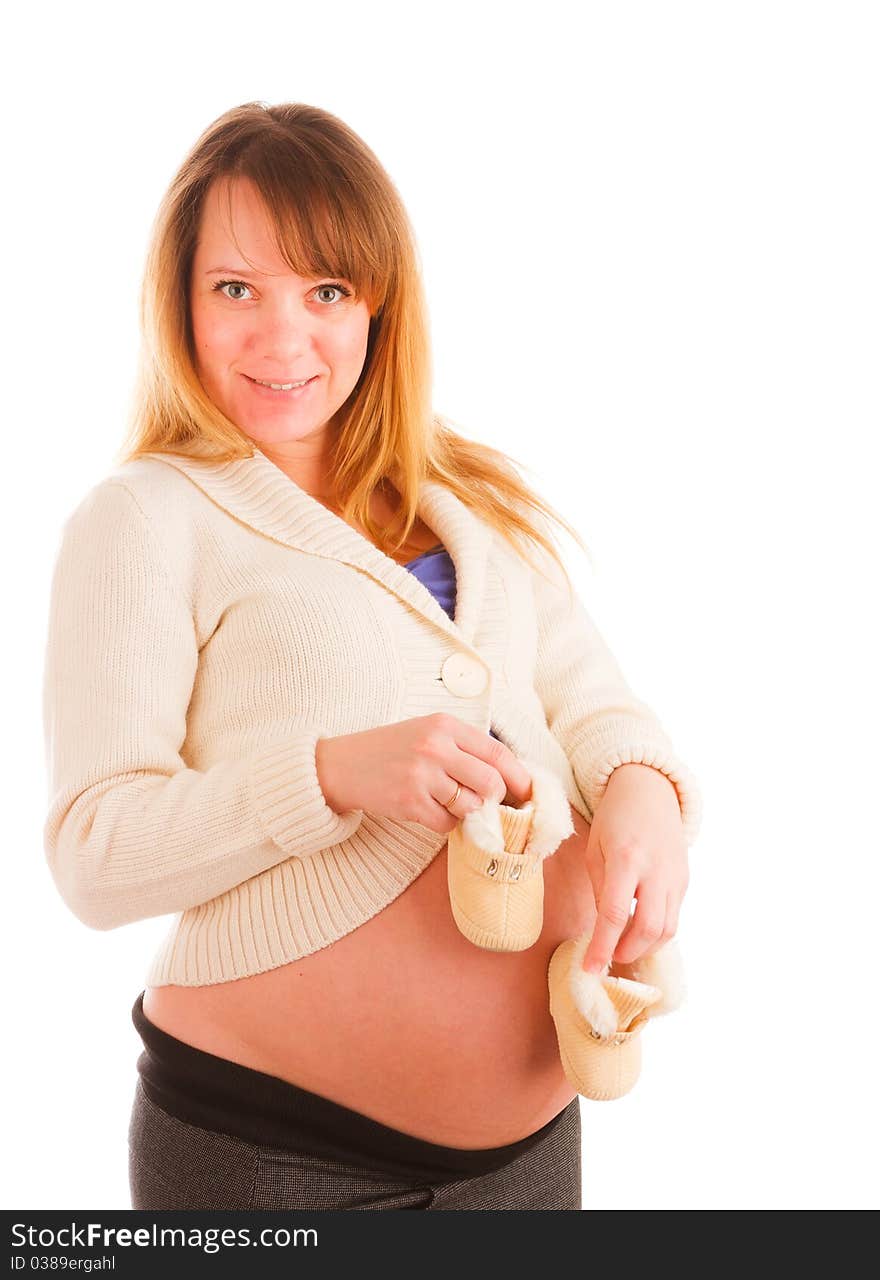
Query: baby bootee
{"x":495,"y":861}
{"x":599,"y":1017}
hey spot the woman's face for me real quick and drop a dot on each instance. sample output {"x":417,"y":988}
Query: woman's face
{"x":270,"y":325}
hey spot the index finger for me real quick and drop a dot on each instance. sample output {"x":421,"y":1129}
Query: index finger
{"x":618,"y":891}
{"x":494,"y":752}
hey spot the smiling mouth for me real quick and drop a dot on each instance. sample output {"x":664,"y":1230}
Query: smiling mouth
{"x":281,"y":386}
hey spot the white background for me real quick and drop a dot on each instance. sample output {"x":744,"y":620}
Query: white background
{"x":649,"y":237}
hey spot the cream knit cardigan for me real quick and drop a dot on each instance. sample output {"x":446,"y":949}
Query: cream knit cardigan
{"x":208,"y":623}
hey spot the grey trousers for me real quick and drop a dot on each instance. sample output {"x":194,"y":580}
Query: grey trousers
{"x":175,"y":1165}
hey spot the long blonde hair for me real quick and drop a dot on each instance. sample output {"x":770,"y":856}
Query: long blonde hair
{"x":335,"y":211}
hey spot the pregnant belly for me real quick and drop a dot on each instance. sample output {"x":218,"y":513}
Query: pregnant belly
{"x":404,"y":1020}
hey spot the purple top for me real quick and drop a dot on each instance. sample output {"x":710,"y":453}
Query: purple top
{"x":435,"y":569}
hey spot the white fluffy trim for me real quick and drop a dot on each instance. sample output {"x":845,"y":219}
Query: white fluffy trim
{"x":551,"y":817}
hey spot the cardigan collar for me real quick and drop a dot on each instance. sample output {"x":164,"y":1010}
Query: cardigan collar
{"x":259,"y":493}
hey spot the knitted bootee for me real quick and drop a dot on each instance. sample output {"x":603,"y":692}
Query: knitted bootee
{"x":599,"y":1017}
{"x":494,"y":859}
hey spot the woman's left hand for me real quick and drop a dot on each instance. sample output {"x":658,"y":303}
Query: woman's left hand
{"x":635,"y":849}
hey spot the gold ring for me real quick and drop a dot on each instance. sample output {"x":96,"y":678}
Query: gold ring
{"x":454,"y":798}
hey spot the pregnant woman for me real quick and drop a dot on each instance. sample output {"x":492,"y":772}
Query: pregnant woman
{"x":298,"y":634}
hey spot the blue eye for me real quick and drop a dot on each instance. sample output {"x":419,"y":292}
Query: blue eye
{"x":240,"y":284}
{"x":340,"y":288}
{"x":222,"y":284}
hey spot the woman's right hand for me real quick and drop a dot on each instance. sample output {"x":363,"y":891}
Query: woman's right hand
{"x":409,"y":770}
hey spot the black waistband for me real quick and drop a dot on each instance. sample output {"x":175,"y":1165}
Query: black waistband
{"x":213,"y":1093}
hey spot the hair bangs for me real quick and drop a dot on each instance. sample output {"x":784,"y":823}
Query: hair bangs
{"x":322,"y":226}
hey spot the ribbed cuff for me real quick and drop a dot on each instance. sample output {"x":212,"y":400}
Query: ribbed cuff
{"x":596,"y":759}
{"x":515,"y":825}
{"x":289,"y":801}
{"x":508,"y":863}
{"x":629,"y":998}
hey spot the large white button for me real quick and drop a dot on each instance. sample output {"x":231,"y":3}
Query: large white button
{"x":463,"y":675}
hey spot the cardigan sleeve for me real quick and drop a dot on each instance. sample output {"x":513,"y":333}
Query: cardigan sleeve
{"x":132,"y":832}
{"x":590,"y":708}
